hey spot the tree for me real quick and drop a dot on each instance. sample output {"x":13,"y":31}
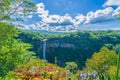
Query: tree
{"x":14,"y":9}
{"x":102,"y":61}
{"x":72,"y":66}
{"x":6,"y":32}
{"x":12,"y":52}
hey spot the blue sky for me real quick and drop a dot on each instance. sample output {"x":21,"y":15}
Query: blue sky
{"x":71,"y":6}
{"x":74,"y":13}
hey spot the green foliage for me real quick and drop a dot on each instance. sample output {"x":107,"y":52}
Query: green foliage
{"x":12,"y":52}
{"x":102,"y":58}
{"x":72,"y":66}
{"x":117,"y":48}
{"x":102,"y":61}
{"x":10,"y":8}
{"x":6,"y":32}
{"x":112,"y":72}
{"x":85,"y":43}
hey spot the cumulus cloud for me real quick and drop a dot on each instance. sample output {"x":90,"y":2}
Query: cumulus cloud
{"x":100,"y":15}
{"x":40,"y":10}
{"x":79,"y":19}
{"x":67,"y":23}
{"x":57,"y":20}
{"x":112,"y":3}
{"x":91,"y":17}
{"x":54,"y":20}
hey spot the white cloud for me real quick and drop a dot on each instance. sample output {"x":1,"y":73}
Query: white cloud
{"x":66,"y":20}
{"x":100,"y":16}
{"x":22,"y":26}
{"x":54,"y":20}
{"x":67,"y":23}
{"x":112,"y":3}
{"x":79,"y":19}
{"x":91,"y":17}
{"x":40,"y":9}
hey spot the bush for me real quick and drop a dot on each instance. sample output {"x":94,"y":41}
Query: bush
{"x":39,"y":69}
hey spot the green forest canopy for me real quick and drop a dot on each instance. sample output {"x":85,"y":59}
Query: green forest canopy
{"x":80,"y":45}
